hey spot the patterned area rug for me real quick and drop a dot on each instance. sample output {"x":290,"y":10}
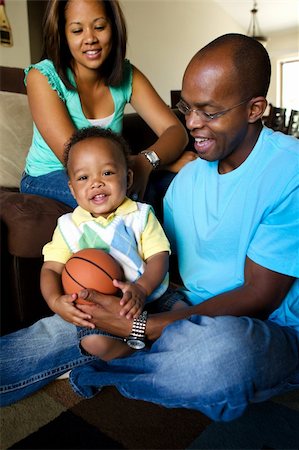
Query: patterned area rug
{"x":56,"y":418}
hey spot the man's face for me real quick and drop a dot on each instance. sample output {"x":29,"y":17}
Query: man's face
{"x":210,"y":84}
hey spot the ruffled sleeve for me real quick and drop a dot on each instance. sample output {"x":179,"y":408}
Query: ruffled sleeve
{"x":46,"y":67}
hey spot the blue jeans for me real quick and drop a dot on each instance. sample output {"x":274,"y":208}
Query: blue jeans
{"x":215,"y":365}
{"x":52,"y":185}
{"x":55,"y":185}
{"x":32,"y":357}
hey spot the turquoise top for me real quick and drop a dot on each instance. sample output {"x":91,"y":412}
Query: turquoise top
{"x":41,"y":159}
{"x":252,"y":211}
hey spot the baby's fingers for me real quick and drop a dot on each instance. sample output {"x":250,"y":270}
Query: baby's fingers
{"x":138,"y":312}
{"x":125,"y":298}
{"x":80,"y":321}
{"x":130,"y":310}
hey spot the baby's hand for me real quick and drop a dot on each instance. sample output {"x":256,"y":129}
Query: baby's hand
{"x":65,"y":306}
{"x":133,"y":298}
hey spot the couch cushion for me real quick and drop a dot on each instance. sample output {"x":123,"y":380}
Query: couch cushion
{"x":29,"y":221}
{"x":15,"y":137}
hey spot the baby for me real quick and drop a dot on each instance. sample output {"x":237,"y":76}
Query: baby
{"x":97,"y":164}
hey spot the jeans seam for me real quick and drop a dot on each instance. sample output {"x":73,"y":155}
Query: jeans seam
{"x":45,"y":375}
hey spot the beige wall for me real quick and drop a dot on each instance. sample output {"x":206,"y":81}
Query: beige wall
{"x":281,"y":46}
{"x":162,"y":37}
{"x":19,"y":54}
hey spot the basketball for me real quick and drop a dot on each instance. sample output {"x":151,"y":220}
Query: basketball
{"x":91,"y":268}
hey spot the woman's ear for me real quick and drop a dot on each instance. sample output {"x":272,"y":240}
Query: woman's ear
{"x":257,"y":109}
{"x":130,"y":177}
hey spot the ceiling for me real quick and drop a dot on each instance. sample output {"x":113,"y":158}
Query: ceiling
{"x":272,"y":15}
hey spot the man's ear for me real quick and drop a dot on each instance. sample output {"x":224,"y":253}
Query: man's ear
{"x":71,"y":189}
{"x":130,"y":177}
{"x":257,"y":109}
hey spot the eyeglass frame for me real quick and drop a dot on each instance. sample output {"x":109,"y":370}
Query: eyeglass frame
{"x":207,"y":117}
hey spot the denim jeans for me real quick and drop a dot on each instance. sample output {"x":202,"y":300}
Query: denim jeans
{"x":32,"y":357}
{"x":55,"y":185}
{"x":214,"y":365}
{"x":52,"y":185}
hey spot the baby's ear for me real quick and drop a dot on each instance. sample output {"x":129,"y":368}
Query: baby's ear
{"x":130,"y":177}
{"x":71,"y":189}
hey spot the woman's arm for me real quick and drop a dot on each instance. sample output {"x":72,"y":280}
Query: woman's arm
{"x":48,"y":112}
{"x":172,"y":136}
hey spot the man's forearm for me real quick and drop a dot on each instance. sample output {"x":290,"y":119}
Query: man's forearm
{"x":238,"y":302}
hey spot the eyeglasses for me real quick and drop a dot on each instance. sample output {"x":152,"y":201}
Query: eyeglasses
{"x":186,"y":110}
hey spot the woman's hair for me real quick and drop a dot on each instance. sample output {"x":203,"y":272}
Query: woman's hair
{"x":97,"y":132}
{"x":56,"y":48}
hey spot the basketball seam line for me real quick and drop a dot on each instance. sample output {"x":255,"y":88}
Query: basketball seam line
{"x":94,"y":264}
{"x":76,"y":281}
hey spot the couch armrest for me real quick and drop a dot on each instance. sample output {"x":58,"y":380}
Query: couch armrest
{"x":30,"y":221}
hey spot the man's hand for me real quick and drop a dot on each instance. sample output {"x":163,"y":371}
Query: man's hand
{"x":105,"y":312}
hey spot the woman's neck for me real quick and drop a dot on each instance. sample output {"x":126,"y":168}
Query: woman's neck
{"x":89,"y":78}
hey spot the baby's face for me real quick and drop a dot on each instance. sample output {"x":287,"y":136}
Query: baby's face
{"x":98,"y":175}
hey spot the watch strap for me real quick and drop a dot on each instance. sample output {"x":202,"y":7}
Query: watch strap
{"x":138,"y":327}
{"x":152,"y":157}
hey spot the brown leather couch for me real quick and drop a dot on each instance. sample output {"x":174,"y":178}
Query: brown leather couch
{"x":27,"y":223}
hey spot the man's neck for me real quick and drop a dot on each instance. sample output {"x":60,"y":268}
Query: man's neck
{"x":238,"y":156}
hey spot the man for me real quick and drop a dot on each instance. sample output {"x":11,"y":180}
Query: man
{"x":232,"y":218}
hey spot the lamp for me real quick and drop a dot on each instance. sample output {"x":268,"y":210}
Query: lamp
{"x":253,"y":30}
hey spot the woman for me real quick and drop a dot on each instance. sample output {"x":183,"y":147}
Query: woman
{"x":86,"y":81}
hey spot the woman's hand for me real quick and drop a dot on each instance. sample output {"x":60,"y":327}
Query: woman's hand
{"x":142,"y":170}
{"x":184,"y":159}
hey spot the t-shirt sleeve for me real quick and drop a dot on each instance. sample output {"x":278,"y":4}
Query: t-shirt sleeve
{"x":47,"y":68}
{"x":275,"y":244}
{"x":153,"y":238}
{"x":57,"y":250}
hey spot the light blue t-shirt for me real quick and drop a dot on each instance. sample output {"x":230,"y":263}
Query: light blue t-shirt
{"x":214,"y":221}
{"x":40,"y":159}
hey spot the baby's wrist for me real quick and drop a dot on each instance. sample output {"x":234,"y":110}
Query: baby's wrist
{"x":143,"y":289}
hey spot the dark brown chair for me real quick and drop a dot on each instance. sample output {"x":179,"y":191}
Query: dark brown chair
{"x":293,"y":125}
{"x":276,"y":118}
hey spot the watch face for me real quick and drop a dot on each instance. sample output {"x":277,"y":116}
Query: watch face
{"x":137,"y":344}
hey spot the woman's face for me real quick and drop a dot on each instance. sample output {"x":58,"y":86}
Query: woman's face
{"x":88,"y":33}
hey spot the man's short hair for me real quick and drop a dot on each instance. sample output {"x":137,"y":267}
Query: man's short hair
{"x":250,"y":59}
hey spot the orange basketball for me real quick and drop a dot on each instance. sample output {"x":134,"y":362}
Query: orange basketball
{"x":91,"y":268}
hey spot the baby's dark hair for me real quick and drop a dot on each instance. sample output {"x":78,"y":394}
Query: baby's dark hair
{"x":97,"y":132}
